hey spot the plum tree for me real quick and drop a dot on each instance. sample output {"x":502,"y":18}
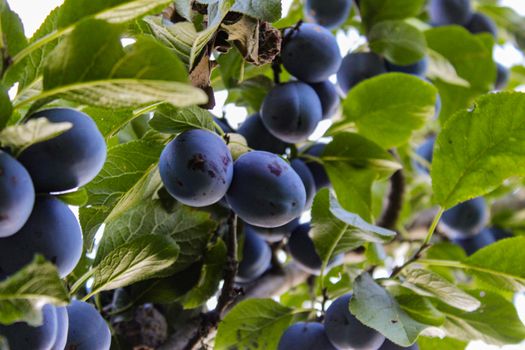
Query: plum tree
{"x":305,"y":336}
{"x":480,"y":23}
{"x":425,"y":151}
{"x":388,"y":345}
{"x":265,"y":190}
{"x":307,"y":178}
{"x":302,"y":250}
{"x":87,"y":329}
{"x":465,"y":219}
{"x":345,"y":331}
{"x":275,"y":234}
{"x":17,"y":195}
{"x":502,"y":76}
{"x":447,"y":12}
{"x":291,"y":111}
{"x":70,"y":160}
{"x":62,"y":329}
{"x":310,"y":53}
{"x":327,"y":93}
{"x":474,"y":243}
{"x":22,"y":336}
{"x":52,"y":230}
{"x":196,"y":168}
{"x":328,"y":13}
{"x":357,"y":67}
{"x":256,"y":257}
{"x":258,"y":137}
{"x":419,"y":68}
{"x":318,"y":172}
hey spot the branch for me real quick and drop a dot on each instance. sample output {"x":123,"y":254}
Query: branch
{"x":394,"y":202}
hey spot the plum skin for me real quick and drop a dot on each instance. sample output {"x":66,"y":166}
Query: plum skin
{"x":480,"y":23}
{"x":310,"y":53}
{"x":357,"y":67}
{"x":308,"y":180}
{"x":447,"y":12}
{"x":345,"y":331}
{"x":466,"y":219}
{"x":327,"y":93}
{"x":302,"y":250}
{"x":388,"y":345}
{"x":62,"y":329}
{"x":259,"y":138}
{"x":196,"y":168}
{"x":265,"y":190}
{"x":256,"y":257}
{"x":17,"y":195}
{"x":472,"y":244}
{"x":52,"y":230}
{"x":318,"y":171}
{"x":275,"y":234}
{"x":291,"y":111}
{"x":425,"y":151}
{"x":305,"y":336}
{"x":328,"y":13}
{"x":22,"y":336}
{"x":69,"y":160}
{"x":418,"y":68}
{"x":502,"y":76}
{"x":87,"y":329}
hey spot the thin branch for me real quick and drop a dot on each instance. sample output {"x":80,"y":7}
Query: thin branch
{"x":392,"y":211}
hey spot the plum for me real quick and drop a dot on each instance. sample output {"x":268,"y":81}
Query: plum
{"x":318,"y":172}
{"x":357,"y":67}
{"x":345,"y":331}
{"x":52,"y":230}
{"x":87,"y":329}
{"x":223,"y":124}
{"x":17,"y":195}
{"x":275,"y":234}
{"x":62,"y":329}
{"x":291,"y":111}
{"x":305,"y":336}
{"x":310,"y":53}
{"x":328,"y":13}
{"x":22,"y":336}
{"x":259,"y":138}
{"x":500,"y":234}
{"x":465,"y":219}
{"x":502,"y":76}
{"x":69,"y":160}
{"x":472,"y":244}
{"x":328,"y":96}
{"x":419,"y":68}
{"x":265,"y":190}
{"x":256,"y":257}
{"x":425,"y":151}
{"x":302,"y":250}
{"x":447,"y":12}
{"x":308,"y":180}
{"x":388,"y":345}
{"x":480,"y":23}
{"x":196,"y":168}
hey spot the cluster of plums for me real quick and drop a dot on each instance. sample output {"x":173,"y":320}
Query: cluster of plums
{"x":33,"y":221}
{"x":340,"y":331}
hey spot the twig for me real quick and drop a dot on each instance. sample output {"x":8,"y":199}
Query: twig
{"x":394,"y":202}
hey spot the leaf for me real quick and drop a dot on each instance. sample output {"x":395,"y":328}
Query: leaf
{"x":110,"y":121}
{"x":352,"y":156}
{"x":174,"y":121}
{"x":12,"y":30}
{"x":440,"y":68}
{"x":335,"y":230}
{"x":427,"y":343}
{"x":21,"y":136}
{"x":6,"y":108}
{"x":400,"y":42}
{"x":420,"y":309}
{"x":268,"y":10}
{"x":142,"y":258}
{"x":478,"y":149}
{"x":23,"y":294}
{"x":77,"y":198}
{"x":388,"y":108}
{"x":376,"y":308}
{"x":374,"y":11}
{"x":253,"y":324}
{"x":252,"y":92}
{"x":428,"y":283}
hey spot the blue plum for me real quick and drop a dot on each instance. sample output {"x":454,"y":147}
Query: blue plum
{"x":357,"y":67}
{"x":69,"y":160}
{"x":52,"y":230}
{"x":465,"y":219}
{"x":196,"y":168}
{"x":345,"y":331}
{"x":419,"y":68}
{"x":319,"y":173}
{"x":425,"y":151}
{"x":480,"y":23}
{"x":87,"y":329}
{"x":22,"y":336}
{"x":302,"y":250}
{"x":308,"y":180}
{"x":256,"y":257}
{"x":265,"y":190}
{"x":502,"y":76}
{"x":310,"y":53}
{"x":305,"y":336}
{"x":447,"y":12}
{"x":275,"y":234}
{"x":328,"y":13}
{"x":62,"y":329}
{"x":500,"y":234}
{"x":17,"y":195}
{"x":474,"y":243}
{"x":388,"y":345}
{"x":259,"y":138}
{"x":291,"y":111}
{"x":327,"y":93}
{"x":223,"y":124}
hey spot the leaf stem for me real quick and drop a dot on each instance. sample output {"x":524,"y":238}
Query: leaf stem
{"x":80,"y":282}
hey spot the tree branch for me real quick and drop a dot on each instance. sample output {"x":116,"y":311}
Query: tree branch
{"x":392,"y":211}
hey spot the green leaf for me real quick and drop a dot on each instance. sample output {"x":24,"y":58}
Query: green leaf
{"x":374,"y":11}
{"x":77,"y":198}
{"x":478,"y":149}
{"x":335,"y":230}
{"x":400,"y":42}
{"x":427,"y":343}
{"x":21,"y":136}
{"x":388,"y":108}
{"x":252,"y":92}
{"x":352,"y":156}
{"x":142,"y":258}
{"x":109,"y":121}
{"x":268,"y":10}
{"x":420,"y":309}
{"x":427,"y":283}
{"x":253,"y":324}
{"x":440,"y":68}
{"x":376,"y":308}
{"x":174,"y":121}
{"x":23,"y":294}
{"x":6,"y":108}
{"x":11,"y":30}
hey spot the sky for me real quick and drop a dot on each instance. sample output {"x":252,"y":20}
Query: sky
{"x":33,"y":13}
